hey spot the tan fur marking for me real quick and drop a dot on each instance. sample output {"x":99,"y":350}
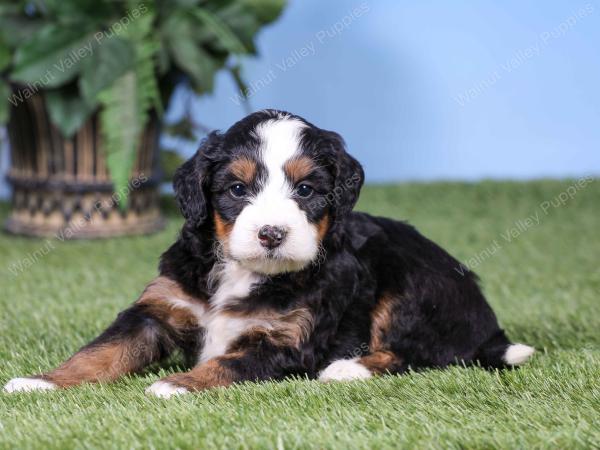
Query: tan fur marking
{"x":381,"y":321}
{"x":285,"y":330}
{"x":157,"y":298}
{"x":178,"y":318}
{"x":379,"y":362}
{"x":293,"y":328}
{"x":163,"y":288}
{"x":297,"y":169}
{"x":244,"y":169}
{"x":322,"y":227}
{"x":222,"y":228}
{"x":205,"y":376}
{"x":106,"y":362}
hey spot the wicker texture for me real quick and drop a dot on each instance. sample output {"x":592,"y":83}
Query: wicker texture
{"x":61,"y":187}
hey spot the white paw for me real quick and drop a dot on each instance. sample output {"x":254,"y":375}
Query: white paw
{"x":345,"y":370}
{"x":164,"y":389}
{"x":28,"y":385}
{"x":517,"y":354}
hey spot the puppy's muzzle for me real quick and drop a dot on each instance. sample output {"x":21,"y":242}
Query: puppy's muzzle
{"x":271,"y":236}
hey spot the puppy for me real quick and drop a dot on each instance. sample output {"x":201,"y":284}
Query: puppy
{"x":274,"y":275}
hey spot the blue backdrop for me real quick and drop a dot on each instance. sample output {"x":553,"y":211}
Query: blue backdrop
{"x":431,"y":89}
{"x":434,"y":89}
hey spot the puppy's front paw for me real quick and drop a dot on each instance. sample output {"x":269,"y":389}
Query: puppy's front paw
{"x":28,"y":385}
{"x":345,"y":370}
{"x":164,"y":389}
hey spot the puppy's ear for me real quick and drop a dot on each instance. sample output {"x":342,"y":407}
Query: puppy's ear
{"x":192,"y":180}
{"x":349,"y":176}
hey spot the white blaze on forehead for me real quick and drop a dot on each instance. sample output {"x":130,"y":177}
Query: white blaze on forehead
{"x":280,"y":141}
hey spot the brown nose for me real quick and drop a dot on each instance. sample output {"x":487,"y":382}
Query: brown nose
{"x":271,"y":237}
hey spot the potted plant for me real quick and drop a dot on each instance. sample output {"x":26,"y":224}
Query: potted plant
{"x":83,"y":86}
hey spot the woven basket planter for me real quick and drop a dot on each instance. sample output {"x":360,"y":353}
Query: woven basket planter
{"x":61,"y":187}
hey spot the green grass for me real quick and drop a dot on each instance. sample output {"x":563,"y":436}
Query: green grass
{"x":544,"y":286}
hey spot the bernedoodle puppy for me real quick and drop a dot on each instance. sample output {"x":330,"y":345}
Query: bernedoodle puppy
{"x":274,"y":275}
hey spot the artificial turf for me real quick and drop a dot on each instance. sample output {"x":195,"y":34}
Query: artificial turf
{"x":543,"y":282}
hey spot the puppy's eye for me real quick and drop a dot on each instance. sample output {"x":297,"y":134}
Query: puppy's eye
{"x":304,"y":191}
{"x":238,"y":190}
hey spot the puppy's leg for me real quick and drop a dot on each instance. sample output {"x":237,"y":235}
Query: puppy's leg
{"x":217,"y":372}
{"x":360,"y":368}
{"x":134,"y":340}
{"x":162,"y":319}
{"x":258,"y":355}
{"x":380,"y":359}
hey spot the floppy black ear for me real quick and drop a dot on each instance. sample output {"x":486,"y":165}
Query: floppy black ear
{"x":191,"y":182}
{"x":349,"y":177}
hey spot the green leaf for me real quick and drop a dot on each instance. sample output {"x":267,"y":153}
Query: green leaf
{"x":5,"y":92}
{"x":70,"y":11}
{"x":126,"y":103}
{"x":181,"y":33}
{"x":236,"y":74}
{"x":182,"y":129}
{"x":243,"y":22}
{"x":266,"y":11}
{"x":195,"y":61}
{"x":146,"y":43}
{"x":12,"y":8}
{"x":163,"y":62}
{"x":121,"y":129}
{"x":170,"y":161}
{"x":53,"y":56}
{"x":185,"y":3}
{"x":15,"y":28}
{"x":111,"y":58}
{"x":221,"y":30}
{"x":68,"y":110}
{"x":5,"y":56}
{"x":245,"y":18}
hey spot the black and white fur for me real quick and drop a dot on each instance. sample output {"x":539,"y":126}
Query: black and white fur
{"x":324,"y":291}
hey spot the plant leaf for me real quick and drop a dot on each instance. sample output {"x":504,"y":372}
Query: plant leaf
{"x":221,"y":30}
{"x":52,"y":57}
{"x":126,"y":104}
{"x":5,"y":56}
{"x":243,"y":23}
{"x":195,"y":61}
{"x":266,"y":11}
{"x":183,"y":129}
{"x":75,"y":11}
{"x":15,"y":28}
{"x":170,"y":161}
{"x":246,"y":17}
{"x":236,"y":73}
{"x":121,"y":128}
{"x":5,"y":92}
{"x":182,"y":37}
{"x":68,"y":110}
{"x":141,"y":34}
{"x":110,"y":59}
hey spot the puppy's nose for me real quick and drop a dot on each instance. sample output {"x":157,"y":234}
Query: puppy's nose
{"x":271,"y":236}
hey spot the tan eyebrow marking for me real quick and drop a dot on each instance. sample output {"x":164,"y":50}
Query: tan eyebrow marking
{"x":243,"y":168}
{"x":296,"y":169}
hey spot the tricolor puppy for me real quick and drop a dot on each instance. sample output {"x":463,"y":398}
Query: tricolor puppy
{"x":274,"y":275}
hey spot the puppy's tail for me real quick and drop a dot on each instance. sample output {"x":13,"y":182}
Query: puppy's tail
{"x":499,"y":352}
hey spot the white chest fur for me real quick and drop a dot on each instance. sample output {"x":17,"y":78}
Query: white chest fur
{"x":220,"y":328}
